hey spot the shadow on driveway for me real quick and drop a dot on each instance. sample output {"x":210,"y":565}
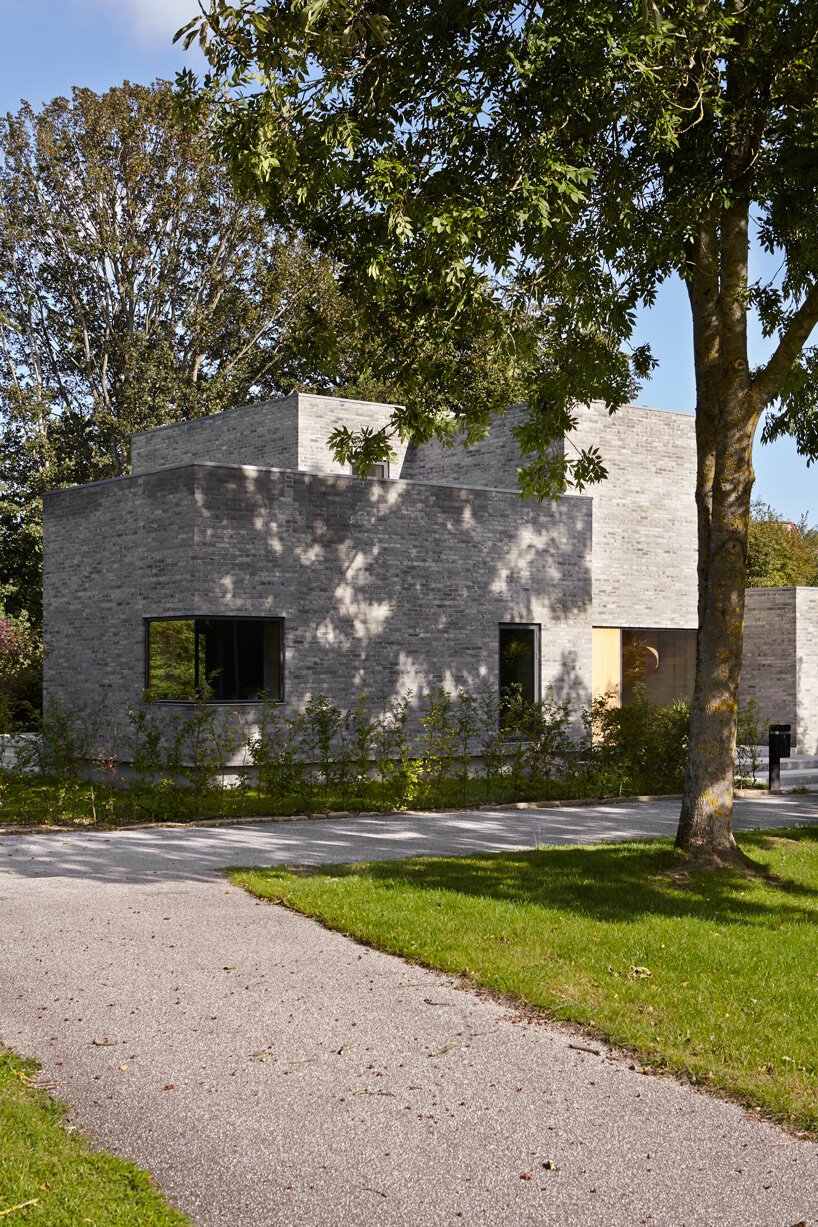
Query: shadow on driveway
{"x":195,"y":853}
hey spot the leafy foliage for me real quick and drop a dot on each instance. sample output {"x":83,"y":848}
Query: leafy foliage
{"x":433,"y":751}
{"x":20,"y":673}
{"x":780,"y":554}
{"x":750,"y":731}
{"x":138,"y":289}
{"x":637,"y":748}
{"x":527,"y":176}
{"x":456,"y":157}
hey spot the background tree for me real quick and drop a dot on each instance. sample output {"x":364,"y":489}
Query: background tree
{"x":780,"y":553}
{"x":21,"y":673}
{"x":137,"y":289}
{"x":563,"y":161}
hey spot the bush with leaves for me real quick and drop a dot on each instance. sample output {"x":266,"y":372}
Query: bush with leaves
{"x":546,"y":748}
{"x":21,"y":674}
{"x":274,"y":752}
{"x":398,"y":768}
{"x":491,"y":741}
{"x":750,"y":731}
{"x":641,"y":747}
{"x":207,"y":739}
{"x":321,"y":723}
{"x":438,"y":743}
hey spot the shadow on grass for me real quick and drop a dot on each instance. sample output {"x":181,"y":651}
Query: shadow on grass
{"x":611,"y":882}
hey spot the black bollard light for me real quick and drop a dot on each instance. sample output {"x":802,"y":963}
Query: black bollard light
{"x":780,"y":745}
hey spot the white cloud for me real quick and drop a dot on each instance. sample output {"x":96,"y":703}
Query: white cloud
{"x":152,"y":22}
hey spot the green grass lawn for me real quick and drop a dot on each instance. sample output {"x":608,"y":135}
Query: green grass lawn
{"x":712,"y":975}
{"x":50,"y":1176}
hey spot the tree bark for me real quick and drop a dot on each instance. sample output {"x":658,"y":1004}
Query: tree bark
{"x":727,"y":415}
{"x":705,"y":825}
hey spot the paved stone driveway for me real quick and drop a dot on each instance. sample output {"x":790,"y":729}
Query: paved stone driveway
{"x":271,"y":1072}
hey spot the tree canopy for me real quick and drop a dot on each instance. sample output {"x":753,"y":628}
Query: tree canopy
{"x":530,"y":174}
{"x":137,"y":288}
{"x":463,"y":157}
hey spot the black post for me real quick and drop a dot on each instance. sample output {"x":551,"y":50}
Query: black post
{"x":780,"y":742}
{"x":775,"y":760}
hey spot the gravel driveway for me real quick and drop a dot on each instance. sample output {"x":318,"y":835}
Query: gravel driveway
{"x":271,"y":1072}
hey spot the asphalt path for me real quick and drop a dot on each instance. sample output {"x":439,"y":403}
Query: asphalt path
{"x":268,"y":1071}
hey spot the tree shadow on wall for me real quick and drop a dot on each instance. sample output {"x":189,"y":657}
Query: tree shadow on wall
{"x":390,"y":586}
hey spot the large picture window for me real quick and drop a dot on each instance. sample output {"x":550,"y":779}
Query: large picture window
{"x":662,"y":661}
{"x":519,"y":661}
{"x":224,"y":660}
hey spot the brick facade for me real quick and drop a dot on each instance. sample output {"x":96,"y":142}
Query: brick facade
{"x":644,"y":534}
{"x":283,"y":434}
{"x":645,"y":527}
{"x":780,"y":669}
{"x":384,"y":586}
{"x":398,"y":584}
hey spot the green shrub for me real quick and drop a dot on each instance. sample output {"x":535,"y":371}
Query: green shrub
{"x":449,"y":749}
{"x":749,"y":733}
{"x":21,"y":675}
{"x":638,"y":748}
{"x":543,"y":749}
{"x":274,"y":752}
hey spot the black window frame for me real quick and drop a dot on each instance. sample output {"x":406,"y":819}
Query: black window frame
{"x":194,"y":618}
{"x":536,"y":627}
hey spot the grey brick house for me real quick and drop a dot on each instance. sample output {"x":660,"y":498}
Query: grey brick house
{"x":239,"y":551}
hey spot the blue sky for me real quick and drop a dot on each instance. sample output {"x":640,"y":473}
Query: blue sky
{"x":49,"y":45}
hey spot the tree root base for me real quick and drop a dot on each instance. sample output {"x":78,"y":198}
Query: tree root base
{"x":697,"y":860}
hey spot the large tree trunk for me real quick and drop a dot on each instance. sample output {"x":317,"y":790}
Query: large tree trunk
{"x":724,"y":486}
{"x":727,"y":413}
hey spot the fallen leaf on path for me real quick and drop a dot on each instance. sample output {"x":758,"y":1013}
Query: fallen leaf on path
{"x":446,"y":1048}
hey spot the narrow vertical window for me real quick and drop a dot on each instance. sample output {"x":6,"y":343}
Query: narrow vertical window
{"x":519,"y":661}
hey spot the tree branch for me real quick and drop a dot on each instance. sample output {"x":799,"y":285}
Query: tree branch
{"x":767,"y":381}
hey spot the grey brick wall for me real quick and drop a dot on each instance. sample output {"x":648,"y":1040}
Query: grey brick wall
{"x":644,"y":514}
{"x":262,"y":434}
{"x":105,"y":545}
{"x":645,"y":542}
{"x":806,"y":665}
{"x":384,"y":585}
{"x":319,"y":416}
{"x":490,"y":464}
{"x":769,"y":671}
{"x":645,"y":531}
{"x":284,"y":434}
